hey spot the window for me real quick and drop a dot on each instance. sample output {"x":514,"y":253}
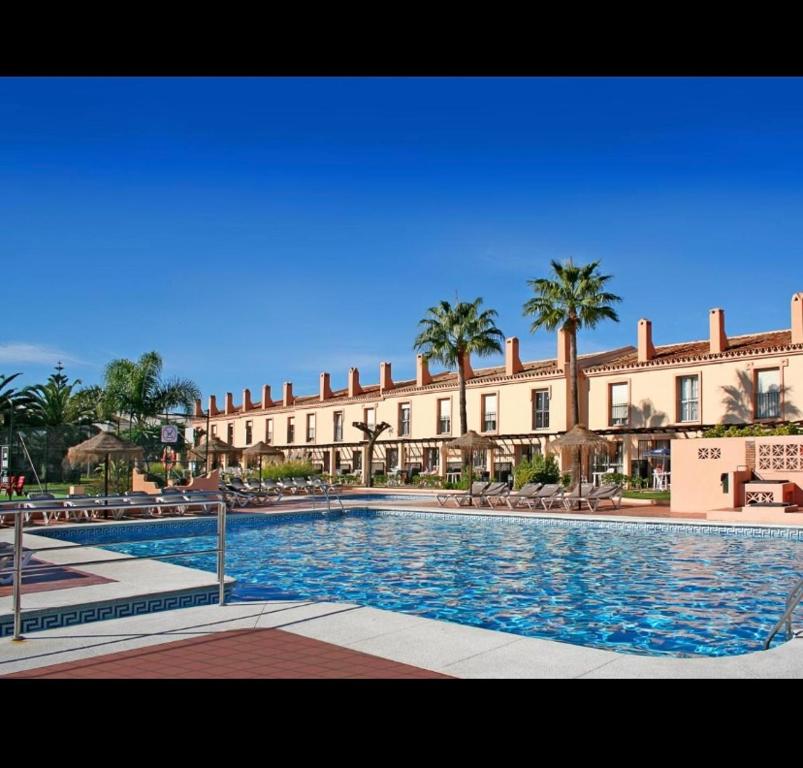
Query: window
{"x":357,"y":457}
{"x":230,"y":434}
{"x":689,"y":389}
{"x":310,"y":427}
{"x":268,"y":431}
{"x":768,"y":394}
{"x":619,"y":405}
{"x":541,"y":409}
{"x":370,"y":417}
{"x":489,"y":413}
{"x":404,"y":419}
{"x":291,"y":429}
{"x":338,"y":426}
{"x":214,"y":430}
{"x":444,"y":417}
{"x":249,"y":430}
{"x":432,"y":458}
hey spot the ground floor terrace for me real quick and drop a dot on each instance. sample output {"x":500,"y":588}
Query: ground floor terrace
{"x":312,"y":639}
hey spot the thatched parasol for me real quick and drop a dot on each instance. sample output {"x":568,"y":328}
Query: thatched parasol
{"x":215,"y":446}
{"x":471,"y":442}
{"x":578,"y":437}
{"x":262,"y":449}
{"x":101,"y":446}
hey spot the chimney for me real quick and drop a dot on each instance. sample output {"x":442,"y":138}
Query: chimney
{"x":468,"y":373}
{"x":266,"y":401}
{"x":354,"y":382}
{"x":287,"y":393}
{"x":563,"y":350}
{"x":213,"y":410}
{"x":229,"y":406}
{"x":197,"y":410}
{"x":422,"y":377}
{"x":718,"y":341}
{"x":385,"y":380}
{"x":797,"y":318}
{"x":512,"y":360}
{"x":646,"y":349}
{"x":325,"y":390}
{"x":247,"y":404}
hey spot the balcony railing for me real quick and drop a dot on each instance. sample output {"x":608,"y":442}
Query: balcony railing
{"x":444,"y":426}
{"x":768,"y":405}
{"x":489,"y":423}
{"x":619,"y":414}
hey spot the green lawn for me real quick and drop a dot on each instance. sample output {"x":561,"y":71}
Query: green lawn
{"x":657,"y":495}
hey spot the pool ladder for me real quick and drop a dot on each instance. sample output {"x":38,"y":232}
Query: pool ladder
{"x":328,"y":494}
{"x":792,"y":602}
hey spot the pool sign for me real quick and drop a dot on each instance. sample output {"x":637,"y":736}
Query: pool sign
{"x":169,"y":433}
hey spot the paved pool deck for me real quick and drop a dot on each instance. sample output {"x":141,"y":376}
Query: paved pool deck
{"x":421,"y":645}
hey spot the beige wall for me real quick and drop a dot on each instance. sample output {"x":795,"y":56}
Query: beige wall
{"x":514,"y":413}
{"x":698,"y":466}
{"x":726,"y":391}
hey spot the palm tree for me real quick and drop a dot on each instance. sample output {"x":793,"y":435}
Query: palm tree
{"x":137,"y":389}
{"x":58,"y":407}
{"x":450,"y":334}
{"x":12,"y":401}
{"x":574,"y":298}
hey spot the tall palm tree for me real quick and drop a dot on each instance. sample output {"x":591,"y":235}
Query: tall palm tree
{"x":59,"y":408}
{"x":12,"y":405}
{"x":450,"y":334}
{"x":573,"y":298}
{"x":138,"y":390}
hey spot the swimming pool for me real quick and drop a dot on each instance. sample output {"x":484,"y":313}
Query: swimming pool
{"x":657,"y":589}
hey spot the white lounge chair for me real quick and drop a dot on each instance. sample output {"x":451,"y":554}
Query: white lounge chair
{"x":463,"y":499}
{"x":7,"y":562}
{"x":514,"y":498}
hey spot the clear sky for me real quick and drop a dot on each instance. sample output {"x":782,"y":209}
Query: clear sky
{"x":261,"y":230}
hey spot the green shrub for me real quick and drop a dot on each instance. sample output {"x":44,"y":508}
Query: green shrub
{"x":613,"y":478}
{"x":752,"y":430}
{"x":288,"y":469}
{"x":542,"y":469}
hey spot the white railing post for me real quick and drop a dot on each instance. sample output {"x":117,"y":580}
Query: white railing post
{"x":221,"y":552}
{"x":17,"y":588}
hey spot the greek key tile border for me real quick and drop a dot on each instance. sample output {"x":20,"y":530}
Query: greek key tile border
{"x":205,"y":527}
{"x":68,"y":616}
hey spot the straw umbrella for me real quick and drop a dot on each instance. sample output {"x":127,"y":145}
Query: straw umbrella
{"x":214,"y":447}
{"x":471,"y":442}
{"x":262,"y":449}
{"x":578,"y":437}
{"x":102,"y":446}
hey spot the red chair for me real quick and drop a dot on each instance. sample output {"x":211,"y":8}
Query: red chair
{"x":20,"y":485}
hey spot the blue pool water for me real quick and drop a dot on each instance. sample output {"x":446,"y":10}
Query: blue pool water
{"x":658,"y":590}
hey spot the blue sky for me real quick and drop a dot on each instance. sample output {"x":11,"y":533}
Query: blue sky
{"x":288,"y":226}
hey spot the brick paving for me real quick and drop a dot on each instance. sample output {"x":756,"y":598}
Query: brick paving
{"x":235,"y":654}
{"x":53,"y":578}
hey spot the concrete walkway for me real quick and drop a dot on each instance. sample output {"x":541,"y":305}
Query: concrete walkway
{"x":426,"y":644}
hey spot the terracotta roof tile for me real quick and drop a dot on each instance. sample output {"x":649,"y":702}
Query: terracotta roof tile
{"x":671,"y":353}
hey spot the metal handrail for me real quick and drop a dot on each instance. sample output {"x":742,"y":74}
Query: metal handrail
{"x":792,"y":601}
{"x":96,"y":502}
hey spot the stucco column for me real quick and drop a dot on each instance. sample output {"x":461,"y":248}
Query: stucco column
{"x":332,"y":468}
{"x":444,"y":454}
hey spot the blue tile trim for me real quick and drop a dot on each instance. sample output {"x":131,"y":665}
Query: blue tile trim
{"x":100,"y":534}
{"x":67,"y":616}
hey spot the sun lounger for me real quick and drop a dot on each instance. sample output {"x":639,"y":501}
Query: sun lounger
{"x":545,"y":497}
{"x":515,"y":498}
{"x":596,"y":496}
{"x":493,"y":491}
{"x":463,"y":499}
{"x":7,"y":562}
{"x":576,"y":495}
